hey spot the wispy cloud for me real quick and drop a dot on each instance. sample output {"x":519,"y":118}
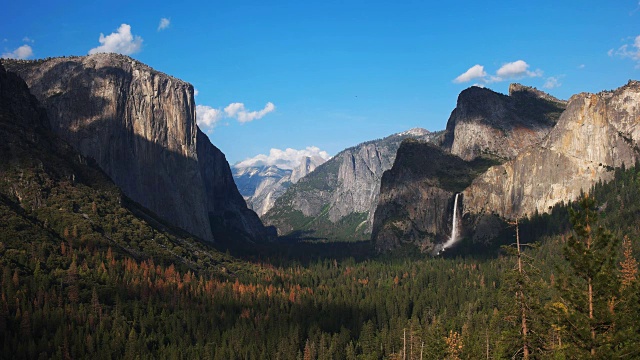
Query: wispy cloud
{"x":28,"y":39}
{"x":164,"y":23}
{"x":552,"y":82}
{"x":284,"y":159}
{"x":512,"y":70}
{"x":631,"y":51}
{"x":23,"y":52}
{"x":238,"y":111}
{"x":121,"y":42}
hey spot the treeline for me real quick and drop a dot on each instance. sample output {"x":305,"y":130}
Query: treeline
{"x":76,"y":288}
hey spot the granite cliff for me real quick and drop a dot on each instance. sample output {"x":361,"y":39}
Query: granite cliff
{"x":595,"y":134}
{"x":486,"y":128}
{"x":339,"y":198}
{"x":139,"y":125}
{"x":417,"y":194}
{"x":485,"y":122}
{"x":538,"y":163}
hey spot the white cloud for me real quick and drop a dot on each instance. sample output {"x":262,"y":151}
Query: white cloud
{"x":121,"y":42}
{"x":164,"y":23}
{"x":513,"y":70}
{"x":27,"y":39}
{"x":582,"y":66}
{"x":516,"y":69}
{"x":474,"y":72}
{"x":284,"y":159}
{"x":552,"y":82}
{"x":23,"y":52}
{"x":631,"y":51}
{"x":207,"y":117}
{"x":238,"y":111}
{"x":195,"y":92}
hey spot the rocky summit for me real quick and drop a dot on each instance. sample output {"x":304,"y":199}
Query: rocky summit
{"x":485,"y":122}
{"x":140,"y":127}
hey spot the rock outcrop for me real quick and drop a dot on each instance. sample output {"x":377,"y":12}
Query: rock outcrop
{"x":261,"y":186}
{"x":306,"y":166}
{"x":139,"y":125}
{"x":341,"y":195}
{"x":595,"y":134}
{"x":488,"y":123}
{"x":417,"y":195}
{"x":485,"y":128}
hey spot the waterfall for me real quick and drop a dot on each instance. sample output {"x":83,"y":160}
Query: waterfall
{"x":454,"y":227}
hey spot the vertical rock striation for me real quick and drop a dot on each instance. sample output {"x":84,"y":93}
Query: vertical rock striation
{"x":596,"y":133}
{"x":486,"y":128}
{"x":140,"y":127}
{"x":417,"y":195}
{"x":488,"y":123}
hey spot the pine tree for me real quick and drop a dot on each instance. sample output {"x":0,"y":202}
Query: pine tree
{"x":629,"y":272}
{"x":590,"y":286}
{"x":628,"y":310}
{"x":522,"y":307}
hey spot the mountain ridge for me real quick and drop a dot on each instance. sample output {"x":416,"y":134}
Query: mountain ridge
{"x":262,"y":185}
{"x":340,"y":195}
{"x":594,"y":134}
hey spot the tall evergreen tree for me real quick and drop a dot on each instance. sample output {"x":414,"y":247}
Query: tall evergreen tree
{"x":590,"y":286}
{"x":522,"y":292}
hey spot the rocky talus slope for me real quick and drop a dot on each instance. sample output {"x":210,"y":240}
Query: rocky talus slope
{"x":139,"y":125}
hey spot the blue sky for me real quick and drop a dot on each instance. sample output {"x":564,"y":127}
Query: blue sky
{"x":331,"y":74}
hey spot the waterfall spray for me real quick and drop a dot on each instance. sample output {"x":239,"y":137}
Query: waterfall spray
{"x":454,"y":227}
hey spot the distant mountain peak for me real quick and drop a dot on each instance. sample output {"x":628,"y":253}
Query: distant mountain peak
{"x":415,"y":132}
{"x":261,"y":184}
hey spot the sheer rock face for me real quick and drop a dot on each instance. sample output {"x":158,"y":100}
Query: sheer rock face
{"x":488,"y":123}
{"x":596,"y":133}
{"x":348,"y":183}
{"x":306,"y":166}
{"x":140,"y":127}
{"x":359,"y":176}
{"x":417,"y":195}
{"x":413,"y":207}
{"x":485,"y":128}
